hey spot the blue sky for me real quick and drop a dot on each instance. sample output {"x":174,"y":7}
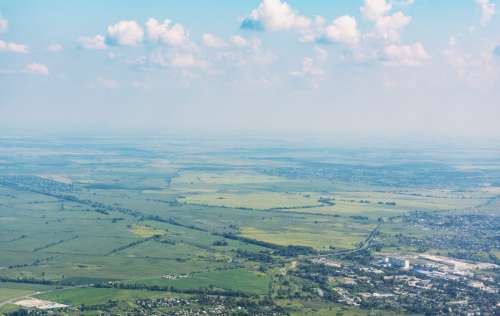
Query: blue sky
{"x":339,"y":68}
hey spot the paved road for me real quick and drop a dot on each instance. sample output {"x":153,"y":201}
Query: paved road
{"x":366,"y":244}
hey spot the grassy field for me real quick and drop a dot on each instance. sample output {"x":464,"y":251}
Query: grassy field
{"x":87,"y":214}
{"x":345,"y":237}
{"x":254,"y":200}
{"x":93,"y":296}
{"x":234,"y":279}
{"x":8,"y":293}
{"x":146,"y":231}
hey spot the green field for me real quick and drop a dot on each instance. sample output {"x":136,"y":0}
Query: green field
{"x":95,"y":296}
{"x":211,"y":220}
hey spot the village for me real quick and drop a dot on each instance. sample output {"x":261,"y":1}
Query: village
{"x":417,"y":283}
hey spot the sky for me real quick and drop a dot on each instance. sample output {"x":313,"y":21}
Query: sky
{"x":338,"y":68}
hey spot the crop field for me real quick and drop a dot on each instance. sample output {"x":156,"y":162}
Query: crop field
{"x":94,"y":296}
{"x":104,"y":221}
{"x":254,"y":200}
{"x":234,"y":279}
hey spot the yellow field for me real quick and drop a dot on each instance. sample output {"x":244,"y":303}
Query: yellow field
{"x":436,"y":200}
{"x":223,"y":178}
{"x":257,"y":200}
{"x":146,"y":231}
{"x":317,"y":239}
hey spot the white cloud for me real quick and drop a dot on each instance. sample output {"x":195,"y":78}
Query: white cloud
{"x":315,"y":31}
{"x":312,"y":66}
{"x":245,"y":52}
{"x":4,"y":24}
{"x":375,"y":9}
{"x":125,"y":33}
{"x":405,"y":55}
{"x":55,"y":48}
{"x":95,"y":42}
{"x":308,"y":68}
{"x":388,"y":28}
{"x":36,"y":69}
{"x":157,"y":58}
{"x":343,"y":30}
{"x":488,"y":10}
{"x":187,"y":61}
{"x":213,"y":41}
{"x":452,"y":41}
{"x":167,"y":33}
{"x":108,"y":83}
{"x":161,"y":57}
{"x":321,"y":54}
{"x":253,"y":44}
{"x":475,"y":68}
{"x":13,"y":47}
{"x":403,"y":2}
{"x":275,"y":15}
{"x":239,"y":41}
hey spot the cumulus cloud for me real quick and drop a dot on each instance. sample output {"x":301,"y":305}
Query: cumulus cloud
{"x":95,"y":42}
{"x":187,"y":61}
{"x":244,"y":52}
{"x":108,"y":83}
{"x":312,"y":66}
{"x":308,"y":68}
{"x":405,"y":55}
{"x":13,"y":47}
{"x":275,"y":15}
{"x":173,"y":34}
{"x":343,"y":30}
{"x":375,"y":9}
{"x":55,"y":48}
{"x":388,"y":28}
{"x":4,"y":24}
{"x":36,"y":69}
{"x":253,"y":44}
{"x":488,"y":10}
{"x":403,"y":2}
{"x":177,"y":59}
{"x":157,"y":58}
{"x":125,"y":33}
{"x":239,"y":41}
{"x":213,"y":41}
{"x":475,"y":68}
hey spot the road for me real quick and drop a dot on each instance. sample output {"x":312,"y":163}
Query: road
{"x":366,"y":244}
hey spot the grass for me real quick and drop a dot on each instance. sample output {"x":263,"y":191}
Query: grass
{"x":146,"y":231}
{"x":317,"y":308}
{"x":256,"y":200}
{"x":10,"y":291}
{"x":8,"y":308}
{"x":93,"y":296}
{"x":7,"y":294}
{"x":235,"y":279}
{"x":219,"y":192}
{"x":338,"y":235}
{"x":223,"y":178}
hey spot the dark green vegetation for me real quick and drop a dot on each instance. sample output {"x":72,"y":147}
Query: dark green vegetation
{"x":158,"y":226}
